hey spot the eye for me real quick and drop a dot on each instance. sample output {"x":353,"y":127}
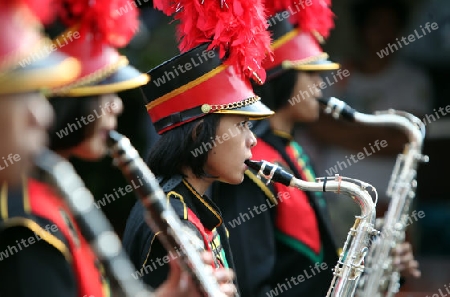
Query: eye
{"x":243,"y":124}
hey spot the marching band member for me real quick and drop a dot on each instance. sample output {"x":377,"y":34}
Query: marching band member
{"x":25,"y":69}
{"x":288,"y":249}
{"x":200,"y":102}
{"x":46,"y":253}
{"x":284,"y":244}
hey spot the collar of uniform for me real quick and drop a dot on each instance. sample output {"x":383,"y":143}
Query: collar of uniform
{"x":204,"y":208}
{"x":286,"y":138}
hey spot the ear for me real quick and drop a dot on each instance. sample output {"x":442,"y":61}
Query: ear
{"x":197,"y":129}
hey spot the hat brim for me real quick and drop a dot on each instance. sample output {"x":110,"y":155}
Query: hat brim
{"x":125,"y":78}
{"x":318,"y":65}
{"x":255,"y":111}
{"x":55,"y":70}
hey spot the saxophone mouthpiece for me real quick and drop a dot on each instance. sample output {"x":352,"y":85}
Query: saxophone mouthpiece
{"x":271,"y":172}
{"x":337,"y":108}
{"x":255,"y":165}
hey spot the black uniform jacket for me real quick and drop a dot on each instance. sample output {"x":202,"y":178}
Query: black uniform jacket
{"x":197,"y":212}
{"x":42,"y":249}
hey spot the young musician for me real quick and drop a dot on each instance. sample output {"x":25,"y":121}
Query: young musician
{"x":202,"y":114}
{"x":288,"y":235}
{"x":44,"y":251}
{"x":281,"y":236}
{"x":24,"y":71}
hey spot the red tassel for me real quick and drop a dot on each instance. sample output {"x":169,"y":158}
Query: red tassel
{"x":237,"y":28}
{"x":315,"y":17}
{"x":112,"y":22}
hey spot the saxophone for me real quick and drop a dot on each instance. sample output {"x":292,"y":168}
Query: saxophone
{"x":94,"y":225}
{"x":350,"y":265}
{"x":381,"y":277}
{"x":160,"y":216}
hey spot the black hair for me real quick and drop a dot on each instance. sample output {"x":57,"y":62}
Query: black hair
{"x":185,"y":146}
{"x":361,"y":10}
{"x":276,"y":92}
{"x":68,"y":129}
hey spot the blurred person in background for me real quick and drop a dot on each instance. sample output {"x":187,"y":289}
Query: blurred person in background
{"x":44,"y":252}
{"x":377,"y":80}
{"x":26,"y":69}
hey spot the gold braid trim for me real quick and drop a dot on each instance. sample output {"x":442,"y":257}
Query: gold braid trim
{"x":93,"y":77}
{"x":4,"y":202}
{"x":284,"y":39}
{"x":186,"y":87}
{"x":181,"y":198}
{"x":283,"y":134}
{"x":294,"y":64}
{"x":42,"y":233}
{"x":150,"y":249}
{"x":262,"y":186}
{"x":207,"y":108}
{"x":197,"y":195}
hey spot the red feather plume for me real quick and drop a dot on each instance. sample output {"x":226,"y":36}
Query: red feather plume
{"x":238,"y":28}
{"x":112,"y":22}
{"x":43,"y":10}
{"x":315,"y":17}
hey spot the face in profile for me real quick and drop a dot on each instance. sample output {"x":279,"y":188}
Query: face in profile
{"x":231,"y":147}
{"x":307,"y":89}
{"x":24,"y":119}
{"x":104,"y":119}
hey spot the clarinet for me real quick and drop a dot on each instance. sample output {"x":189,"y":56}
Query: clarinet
{"x":160,"y":216}
{"x":382,"y":278}
{"x":350,"y":265}
{"x":93,"y":224}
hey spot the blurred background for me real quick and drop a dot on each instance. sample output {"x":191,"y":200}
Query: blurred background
{"x":429,"y":56}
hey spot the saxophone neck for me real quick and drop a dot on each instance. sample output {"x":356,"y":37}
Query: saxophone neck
{"x":411,"y":125}
{"x":355,"y":188}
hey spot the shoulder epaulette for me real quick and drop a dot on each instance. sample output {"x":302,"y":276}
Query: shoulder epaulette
{"x":15,"y":211}
{"x":176,"y":200}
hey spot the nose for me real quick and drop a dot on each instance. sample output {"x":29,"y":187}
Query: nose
{"x":114,"y":103}
{"x":40,"y":110}
{"x":317,"y":81}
